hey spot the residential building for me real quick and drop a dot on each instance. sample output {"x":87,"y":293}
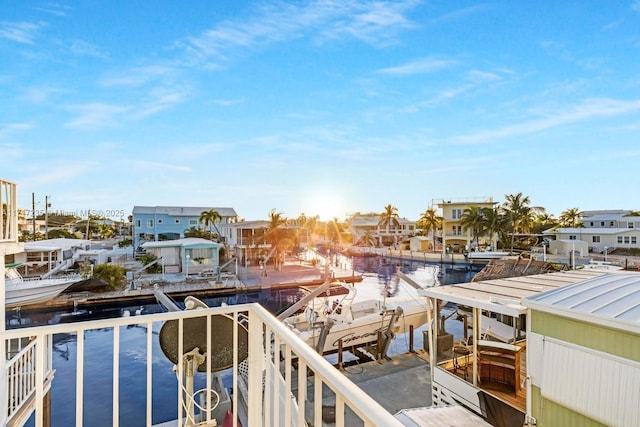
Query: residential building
{"x":246,"y":240}
{"x":454,"y":237}
{"x":49,"y":256}
{"x":156,"y":223}
{"x":583,"y":342}
{"x":603,"y":230}
{"x":362,"y":224}
{"x":189,"y":256}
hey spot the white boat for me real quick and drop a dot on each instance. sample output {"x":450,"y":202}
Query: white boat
{"x":327,"y":321}
{"x":600,"y":265}
{"x":485,"y":256}
{"x":20,"y":292}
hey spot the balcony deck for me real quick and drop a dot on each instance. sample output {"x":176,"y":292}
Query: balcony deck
{"x":268,"y":343}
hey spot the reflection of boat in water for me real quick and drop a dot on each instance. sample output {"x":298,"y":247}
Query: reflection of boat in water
{"x":327,"y":321}
{"x":21,"y":292}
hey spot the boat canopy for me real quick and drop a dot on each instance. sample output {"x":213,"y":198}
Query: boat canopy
{"x":505,"y":296}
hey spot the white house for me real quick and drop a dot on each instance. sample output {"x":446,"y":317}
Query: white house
{"x":603,"y":229}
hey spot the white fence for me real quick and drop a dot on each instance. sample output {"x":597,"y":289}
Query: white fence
{"x":272,"y":354}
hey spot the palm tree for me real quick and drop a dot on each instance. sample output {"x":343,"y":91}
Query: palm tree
{"x":518,"y":214}
{"x":430,"y":221}
{"x":571,"y":218}
{"x":388,"y":218}
{"x":209,"y":218}
{"x":494,"y":224}
{"x":276,"y":221}
{"x":473,"y":219}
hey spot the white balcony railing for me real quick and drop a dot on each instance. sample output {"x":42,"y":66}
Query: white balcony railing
{"x":271,"y":350}
{"x":8,"y":212}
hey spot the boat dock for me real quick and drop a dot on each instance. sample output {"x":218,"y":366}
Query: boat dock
{"x":288,"y":276}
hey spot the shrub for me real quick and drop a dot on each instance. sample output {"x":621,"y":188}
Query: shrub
{"x":113,"y":275}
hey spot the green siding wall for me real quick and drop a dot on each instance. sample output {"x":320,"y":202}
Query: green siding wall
{"x":550,"y":414}
{"x":608,"y":340}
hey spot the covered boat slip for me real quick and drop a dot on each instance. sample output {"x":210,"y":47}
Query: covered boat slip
{"x":486,"y":369}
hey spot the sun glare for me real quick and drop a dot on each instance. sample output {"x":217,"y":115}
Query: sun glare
{"x":326,"y":205}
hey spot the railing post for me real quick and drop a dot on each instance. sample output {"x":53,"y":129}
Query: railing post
{"x":255,"y":360}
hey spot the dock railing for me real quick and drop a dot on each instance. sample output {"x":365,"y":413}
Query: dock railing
{"x":275,"y":355}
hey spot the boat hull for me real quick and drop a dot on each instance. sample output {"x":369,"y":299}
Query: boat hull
{"x":29,"y":292}
{"x":363,"y":331}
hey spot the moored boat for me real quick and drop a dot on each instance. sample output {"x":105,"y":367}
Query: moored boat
{"x":328,"y":321}
{"x":20,"y":292}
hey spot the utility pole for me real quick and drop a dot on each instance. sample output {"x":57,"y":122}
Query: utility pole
{"x":33,"y":214}
{"x":88,"y":219}
{"x":46,"y":216}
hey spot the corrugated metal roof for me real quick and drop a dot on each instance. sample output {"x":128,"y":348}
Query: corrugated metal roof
{"x":505,"y":295}
{"x":612,"y":298}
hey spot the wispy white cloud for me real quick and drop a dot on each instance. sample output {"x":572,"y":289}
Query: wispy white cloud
{"x":226,"y":102}
{"x":9,"y":129}
{"x":96,"y":115}
{"x":11,"y":150}
{"x":149,"y":165}
{"x":591,"y":108}
{"x":160,"y":99}
{"x":55,"y":9}
{"x":373,"y":22}
{"x":55,"y":173}
{"x":420,"y":66}
{"x":40,"y":94}
{"x":21,"y":32}
{"x":83,"y":48}
{"x":139,"y":76}
{"x":461,"y":13}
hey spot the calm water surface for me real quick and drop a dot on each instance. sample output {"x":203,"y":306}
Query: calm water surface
{"x":378,"y":280}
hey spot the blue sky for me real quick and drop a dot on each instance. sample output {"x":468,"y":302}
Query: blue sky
{"x":320,"y":107}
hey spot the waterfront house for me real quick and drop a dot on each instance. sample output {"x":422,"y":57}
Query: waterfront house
{"x":361,"y":225}
{"x":49,"y":256}
{"x":157,"y":223}
{"x":191,"y":255}
{"x":583,"y":345}
{"x":454,"y":238}
{"x":246,"y":240}
{"x":603,"y":230}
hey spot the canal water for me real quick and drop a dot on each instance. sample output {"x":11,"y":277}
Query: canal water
{"x":378,"y":280}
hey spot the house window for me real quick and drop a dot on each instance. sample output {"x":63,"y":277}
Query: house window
{"x":193,"y":222}
{"x":138,"y":223}
{"x":630,"y":224}
{"x":595,"y":239}
{"x":591,"y":224}
{"x":626,"y":240}
{"x":572,"y":237}
{"x":177,"y":221}
{"x":619,"y":239}
{"x":150,"y":223}
{"x":601,"y":223}
{"x":634,"y":240}
{"x":612,"y":224}
{"x":456,"y":213}
{"x":159,"y":221}
{"x":457,"y":230}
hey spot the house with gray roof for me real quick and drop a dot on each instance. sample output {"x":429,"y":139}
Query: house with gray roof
{"x":603,"y":229}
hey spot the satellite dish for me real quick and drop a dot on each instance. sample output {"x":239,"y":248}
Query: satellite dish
{"x":195,"y":335}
